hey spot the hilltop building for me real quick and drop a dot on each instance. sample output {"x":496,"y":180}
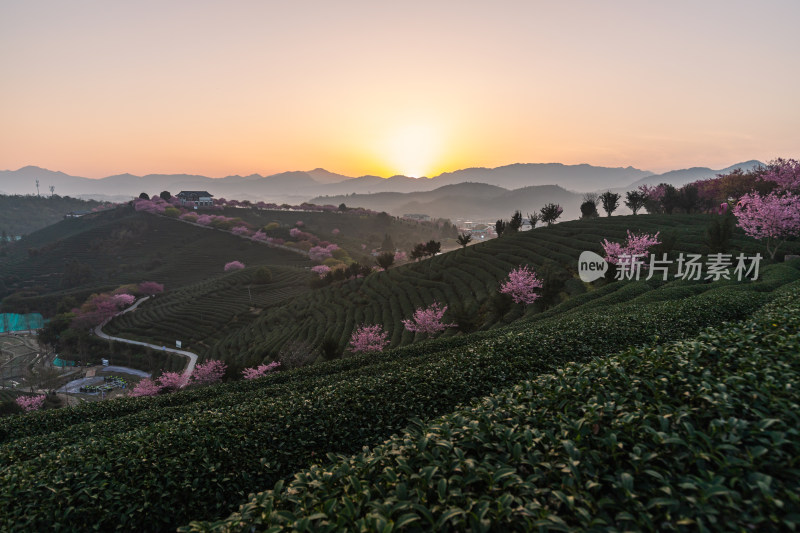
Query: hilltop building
{"x":195,"y":198}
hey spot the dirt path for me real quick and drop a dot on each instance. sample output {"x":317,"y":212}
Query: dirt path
{"x":192,"y":356}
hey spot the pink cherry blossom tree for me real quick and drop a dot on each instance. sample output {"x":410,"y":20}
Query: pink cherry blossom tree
{"x":30,"y":403}
{"x":521,"y":284}
{"x":427,"y":320}
{"x":150,"y":288}
{"x":241,"y":230}
{"x":636,"y":244}
{"x":233,"y":266}
{"x":145,"y":387}
{"x":259,"y":236}
{"x":208,"y":372}
{"x":170,"y":381}
{"x":369,"y":339}
{"x":260,"y":371}
{"x":784,"y":172}
{"x":772,"y":218}
{"x":321,"y":270}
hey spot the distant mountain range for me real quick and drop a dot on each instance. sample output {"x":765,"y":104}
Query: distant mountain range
{"x":297,"y":187}
{"x":477,"y":201}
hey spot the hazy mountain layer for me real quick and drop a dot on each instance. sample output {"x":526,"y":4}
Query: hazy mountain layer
{"x":297,"y":186}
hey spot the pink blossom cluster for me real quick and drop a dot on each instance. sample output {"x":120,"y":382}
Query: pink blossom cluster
{"x":150,"y":288}
{"x":400,"y":256}
{"x":260,"y":371}
{"x":773,"y":217}
{"x":636,"y":245}
{"x":241,"y":230}
{"x":321,"y":270}
{"x":427,"y":320}
{"x":99,"y":308}
{"x":260,"y":236}
{"x":784,"y":172}
{"x":335,"y":231}
{"x":369,"y":339}
{"x":207,"y":373}
{"x":320,"y":253}
{"x":521,"y":284}
{"x":154,"y":205}
{"x":299,"y":223}
{"x":300,"y":235}
{"x":233,"y":266}
{"x":30,"y":403}
{"x":654,"y":193}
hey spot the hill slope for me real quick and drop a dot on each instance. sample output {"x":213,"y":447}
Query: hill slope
{"x":121,"y":246}
{"x":695,"y":433}
{"x":21,"y":215}
{"x":155,"y":463}
{"x":465,"y":280}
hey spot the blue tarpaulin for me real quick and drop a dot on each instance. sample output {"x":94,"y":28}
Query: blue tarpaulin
{"x":14,"y":322}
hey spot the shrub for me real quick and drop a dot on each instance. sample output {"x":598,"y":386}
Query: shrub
{"x":30,"y":403}
{"x":260,"y":371}
{"x":233,"y":266}
{"x":369,"y":339}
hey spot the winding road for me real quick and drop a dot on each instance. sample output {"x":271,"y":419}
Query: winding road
{"x":192,"y":356}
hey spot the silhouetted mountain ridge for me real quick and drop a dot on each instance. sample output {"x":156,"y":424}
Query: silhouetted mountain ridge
{"x":298,"y":186}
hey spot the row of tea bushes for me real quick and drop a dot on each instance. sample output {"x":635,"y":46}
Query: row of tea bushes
{"x":200,"y":459}
{"x":698,"y":435}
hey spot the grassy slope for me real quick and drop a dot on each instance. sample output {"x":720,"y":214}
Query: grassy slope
{"x":466,"y":279}
{"x":152,"y":464}
{"x":701,"y":434}
{"x":22,"y":215}
{"x":195,"y":313}
{"x":123,"y":246}
{"x":354,"y":230}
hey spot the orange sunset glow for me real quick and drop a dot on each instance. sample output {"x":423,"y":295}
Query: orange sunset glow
{"x":417,"y":88}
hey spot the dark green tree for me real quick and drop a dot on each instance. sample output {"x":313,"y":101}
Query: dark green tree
{"x":464,"y":239}
{"x":418,"y":252}
{"x":588,"y":210}
{"x":165,"y":195}
{"x":635,"y":200}
{"x":385,"y":260}
{"x":515,"y":223}
{"x":144,"y":196}
{"x":500,"y":227}
{"x":610,"y":202}
{"x":433,"y":247}
{"x":550,"y":213}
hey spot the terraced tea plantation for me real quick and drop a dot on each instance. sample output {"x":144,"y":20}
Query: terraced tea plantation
{"x":102,"y":251}
{"x":194,"y":314}
{"x":696,"y":435}
{"x":153,"y":464}
{"x":466,"y":279}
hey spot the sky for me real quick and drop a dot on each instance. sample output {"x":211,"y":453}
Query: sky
{"x":96,"y":88}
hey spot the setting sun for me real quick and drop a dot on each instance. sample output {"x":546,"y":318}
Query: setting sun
{"x":413,"y":150}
